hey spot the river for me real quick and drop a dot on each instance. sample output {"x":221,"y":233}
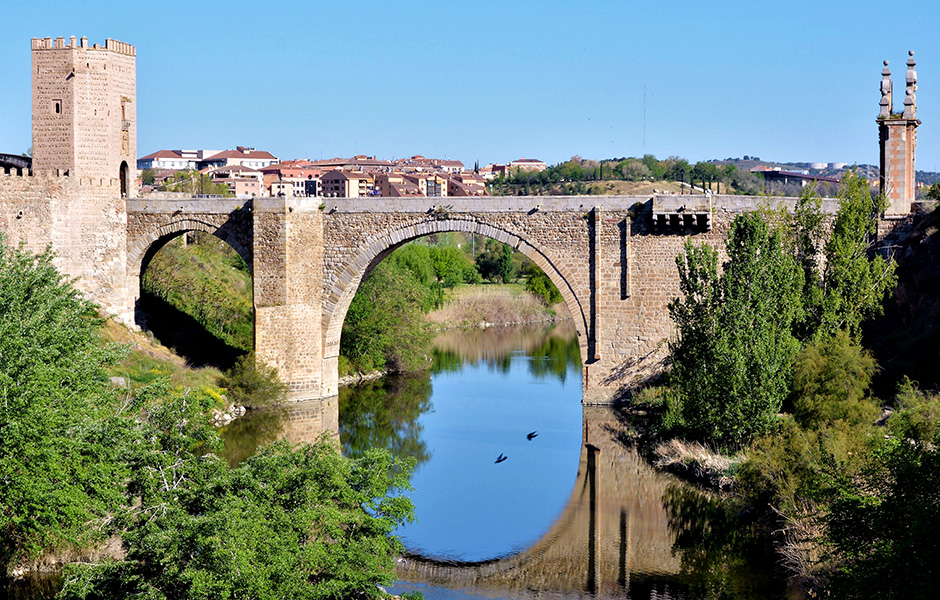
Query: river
{"x":572,"y":512}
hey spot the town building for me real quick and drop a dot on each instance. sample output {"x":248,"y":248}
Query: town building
{"x":395,"y":185}
{"x":347,"y":184}
{"x":241,"y":156}
{"x":466,"y":184}
{"x":527,"y":164}
{"x":179,"y":160}
{"x":430,"y":184}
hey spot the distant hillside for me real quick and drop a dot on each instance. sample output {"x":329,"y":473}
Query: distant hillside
{"x":869,"y":171}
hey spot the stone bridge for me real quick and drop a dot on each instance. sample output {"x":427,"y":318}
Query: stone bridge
{"x":612,"y":258}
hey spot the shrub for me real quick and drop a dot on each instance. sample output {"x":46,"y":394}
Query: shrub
{"x":539,"y":284}
{"x":253,"y":383}
{"x":918,"y":413}
{"x":830,"y":380}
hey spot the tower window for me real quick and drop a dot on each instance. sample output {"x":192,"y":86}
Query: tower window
{"x":57,"y":106}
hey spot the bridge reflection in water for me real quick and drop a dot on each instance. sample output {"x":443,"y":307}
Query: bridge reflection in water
{"x":612,"y":537}
{"x":626,"y":530}
{"x":613,"y":532}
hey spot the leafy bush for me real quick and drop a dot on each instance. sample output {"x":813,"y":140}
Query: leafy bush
{"x":384,"y":326}
{"x":58,"y":425}
{"x":539,"y":284}
{"x":830,"y":380}
{"x":299,"y":522}
{"x":882,"y":525}
{"x":251,"y":382}
{"x":917,"y":415}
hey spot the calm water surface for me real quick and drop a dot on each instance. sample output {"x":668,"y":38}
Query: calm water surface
{"x":571,"y":513}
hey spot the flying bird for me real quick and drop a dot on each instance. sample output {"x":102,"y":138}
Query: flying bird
{"x":531,"y":435}
{"x":501,"y":457}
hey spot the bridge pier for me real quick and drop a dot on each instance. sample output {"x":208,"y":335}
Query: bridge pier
{"x":288,"y":275}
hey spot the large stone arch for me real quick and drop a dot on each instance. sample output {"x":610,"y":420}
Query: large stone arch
{"x":142,"y":249}
{"x":337,"y":301}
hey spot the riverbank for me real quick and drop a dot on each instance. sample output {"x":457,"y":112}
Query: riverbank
{"x":487,"y":305}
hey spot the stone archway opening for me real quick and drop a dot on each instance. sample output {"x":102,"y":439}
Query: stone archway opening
{"x":195,"y":296}
{"x":339,"y":301}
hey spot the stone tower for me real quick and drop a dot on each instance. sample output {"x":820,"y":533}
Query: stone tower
{"x":897,"y":134}
{"x":84,"y":109}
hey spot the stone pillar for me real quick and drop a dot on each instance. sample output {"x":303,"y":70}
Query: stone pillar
{"x":288,"y":274}
{"x":897,"y":136}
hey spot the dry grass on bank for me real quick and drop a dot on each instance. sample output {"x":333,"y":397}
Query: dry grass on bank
{"x":484,"y":305}
{"x":694,"y":461}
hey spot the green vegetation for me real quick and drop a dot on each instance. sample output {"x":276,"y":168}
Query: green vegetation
{"x":192,"y":182}
{"x":738,"y":333}
{"x":57,"y":459}
{"x":734,"y":346}
{"x":780,"y":327}
{"x":208,"y":281}
{"x":287,"y":522}
{"x":252,"y":383}
{"x":385,"y":327}
{"x":81,"y":459}
{"x":579,"y":176}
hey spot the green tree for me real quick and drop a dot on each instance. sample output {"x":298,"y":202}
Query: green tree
{"x":59,"y":423}
{"x":495,"y":262}
{"x":917,"y":413}
{"x":288,"y":522}
{"x":384,"y":326}
{"x":933,"y":192}
{"x":733,"y":349}
{"x":830,"y":382}
{"x":539,"y":284}
{"x":855,"y":281}
{"x":657,"y":171}
{"x":881,"y":526}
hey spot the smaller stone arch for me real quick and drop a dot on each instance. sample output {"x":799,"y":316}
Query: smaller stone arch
{"x":337,"y":301}
{"x":142,"y":250}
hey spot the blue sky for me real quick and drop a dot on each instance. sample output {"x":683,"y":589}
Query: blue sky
{"x":496,"y":81}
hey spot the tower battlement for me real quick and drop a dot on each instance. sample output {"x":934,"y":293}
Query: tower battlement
{"x":84,"y":108}
{"x":59,"y":43}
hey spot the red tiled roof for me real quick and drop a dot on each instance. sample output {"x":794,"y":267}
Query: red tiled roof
{"x":162,"y":154}
{"x":255,"y":154}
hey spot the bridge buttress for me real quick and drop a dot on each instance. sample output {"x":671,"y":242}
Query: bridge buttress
{"x":288,"y":273}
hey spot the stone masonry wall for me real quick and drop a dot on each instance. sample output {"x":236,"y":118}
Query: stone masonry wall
{"x":288,"y":259}
{"x":151,"y":223}
{"x":84,"y":106}
{"x":82,"y":222}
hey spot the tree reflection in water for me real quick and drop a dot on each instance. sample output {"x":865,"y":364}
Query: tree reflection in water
{"x":552,"y":348}
{"x":721,"y":554}
{"x":244,"y":435}
{"x":553,"y":356}
{"x":384,"y":413}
